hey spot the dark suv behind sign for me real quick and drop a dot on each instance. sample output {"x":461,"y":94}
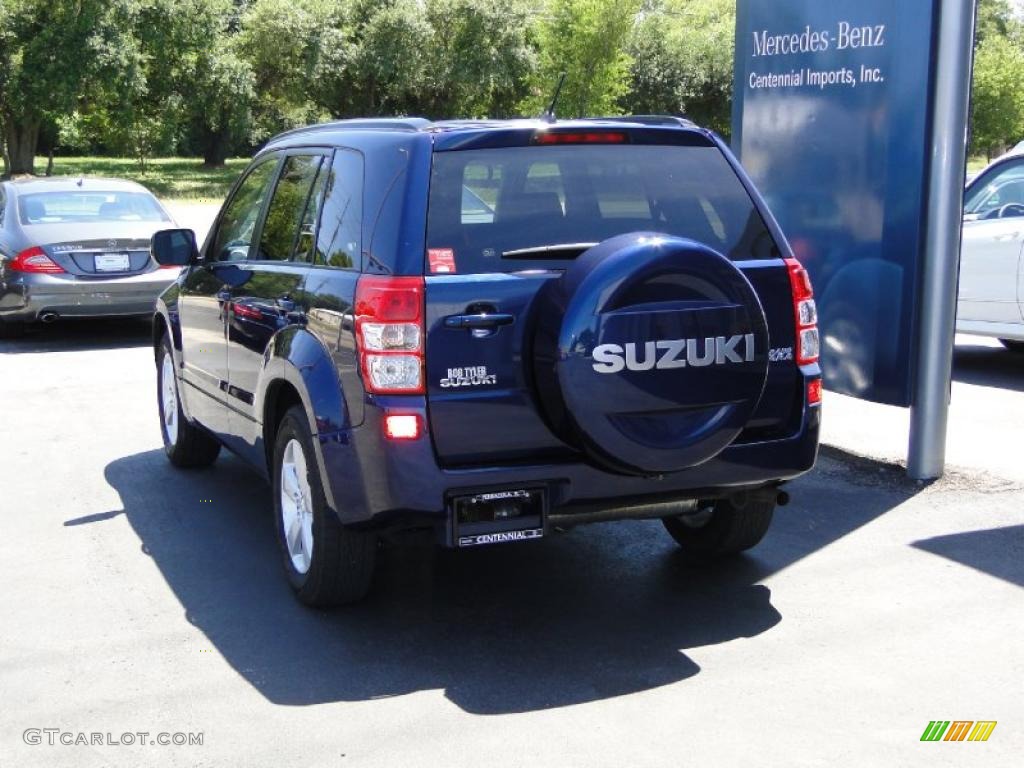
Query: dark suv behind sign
{"x":489,"y":329}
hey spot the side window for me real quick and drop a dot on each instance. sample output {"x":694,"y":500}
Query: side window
{"x":1002,"y":187}
{"x":235,"y":231}
{"x":3,"y":205}
{"x":287,"y":216}
{"x":305,"y":245}
{"x":339,"y":240}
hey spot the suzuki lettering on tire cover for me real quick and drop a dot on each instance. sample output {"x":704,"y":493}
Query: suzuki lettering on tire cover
{"x":650,"y":353}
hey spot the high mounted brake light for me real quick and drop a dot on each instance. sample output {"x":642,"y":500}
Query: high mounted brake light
{"x":805,"y":313}
{"x":548,"y":138}
{"x":389,"y":334}
{"x":36,"y":261}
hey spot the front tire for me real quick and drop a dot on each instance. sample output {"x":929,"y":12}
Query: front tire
{"x":185,"y":444}
{"x":1013,"y":346}
{"x":721,"y":528}
{"x":327,"y":564}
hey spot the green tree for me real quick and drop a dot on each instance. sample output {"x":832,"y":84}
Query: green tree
{"x":682,"y":61}
{"x":39,"y":82}
{"x":137,"y":109}
{"x":195,"y":90}
{"x":389,"y":58}
{"x":995,"y":18}
{"x":283,"y":41}
{"x":370,"y":58}
{"x":997,"y":98}
{"x":584,"y":39}
{"x":482,"y":57}
{"x":219,"y":117}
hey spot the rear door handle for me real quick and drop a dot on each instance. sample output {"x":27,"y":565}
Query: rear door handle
{"x":481,"y":320}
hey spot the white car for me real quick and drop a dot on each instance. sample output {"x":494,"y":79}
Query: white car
{"x":991,"y":300}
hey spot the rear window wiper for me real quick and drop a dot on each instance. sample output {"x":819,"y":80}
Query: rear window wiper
{"x":557,"y":251}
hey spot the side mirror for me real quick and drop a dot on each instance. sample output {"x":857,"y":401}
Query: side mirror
{"x":174,"y":247}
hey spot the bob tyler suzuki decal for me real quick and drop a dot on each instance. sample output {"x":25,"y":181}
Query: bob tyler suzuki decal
{"x":677,"y":353}
{"x":472,"y":376}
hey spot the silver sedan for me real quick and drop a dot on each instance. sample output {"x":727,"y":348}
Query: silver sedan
{"x":73,"y":248}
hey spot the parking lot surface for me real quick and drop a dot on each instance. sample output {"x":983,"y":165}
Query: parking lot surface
{"x":139,"y":597}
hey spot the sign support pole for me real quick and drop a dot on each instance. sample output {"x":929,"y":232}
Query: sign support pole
{"x":929,"y":413}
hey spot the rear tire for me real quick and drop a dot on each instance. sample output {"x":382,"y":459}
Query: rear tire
{"x":327,"y":564}
{"x":185,"y":444}
{"x":1013,"y":346}
{"x":721,"y":528}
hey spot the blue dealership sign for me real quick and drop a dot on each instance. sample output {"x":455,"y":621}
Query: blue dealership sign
{"x":831,"y":119}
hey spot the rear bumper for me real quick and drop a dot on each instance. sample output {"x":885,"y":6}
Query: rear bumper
{"x":373,"y":481}
{"x":23,"y":298}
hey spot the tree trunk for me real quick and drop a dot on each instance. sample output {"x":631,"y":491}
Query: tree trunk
{"x":20,"y":142}
{"x":215,"y":149}
{"x":49,"y":162}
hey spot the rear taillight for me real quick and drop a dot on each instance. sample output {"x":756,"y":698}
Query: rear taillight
{"x":805,"y":313}
{"x":246,"y":312}
{"x":36,"y":261}
{"x":389,"y":334}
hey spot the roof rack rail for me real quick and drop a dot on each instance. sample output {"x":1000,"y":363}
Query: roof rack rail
{"x":362,"y":123}
{"x":645,"y":119}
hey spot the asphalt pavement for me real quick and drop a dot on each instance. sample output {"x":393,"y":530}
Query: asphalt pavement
{"x":986,"y":415}
{"x":141,"y":598}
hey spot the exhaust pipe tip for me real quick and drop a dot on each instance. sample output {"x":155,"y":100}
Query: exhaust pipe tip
{"x":782,"y":499}
{"x":49,"y":317}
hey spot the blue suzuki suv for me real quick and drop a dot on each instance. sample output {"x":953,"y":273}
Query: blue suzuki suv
{"x":489,"y":329}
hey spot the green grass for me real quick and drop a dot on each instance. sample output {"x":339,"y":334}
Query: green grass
{"x":169,"y":178}
{"x":976,"y":164}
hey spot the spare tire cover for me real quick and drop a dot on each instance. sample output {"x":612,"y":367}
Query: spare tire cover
{"x":650,"y":353}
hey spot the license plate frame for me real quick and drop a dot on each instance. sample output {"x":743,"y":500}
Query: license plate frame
{"x":521,"y":528}
{"x":112,"y":262}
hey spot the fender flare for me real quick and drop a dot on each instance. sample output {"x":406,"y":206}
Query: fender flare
{"x":300,"y":359}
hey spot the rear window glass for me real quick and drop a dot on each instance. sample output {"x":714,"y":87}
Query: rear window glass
{"x":88,"y":207}
{"x":490,"y":207}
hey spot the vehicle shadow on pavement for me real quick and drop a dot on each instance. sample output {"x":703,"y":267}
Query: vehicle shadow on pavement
{"x":598,"y":612}
{"x":988,"y":366}
{"x":998,"y":552}
{"x":82,"y":336}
